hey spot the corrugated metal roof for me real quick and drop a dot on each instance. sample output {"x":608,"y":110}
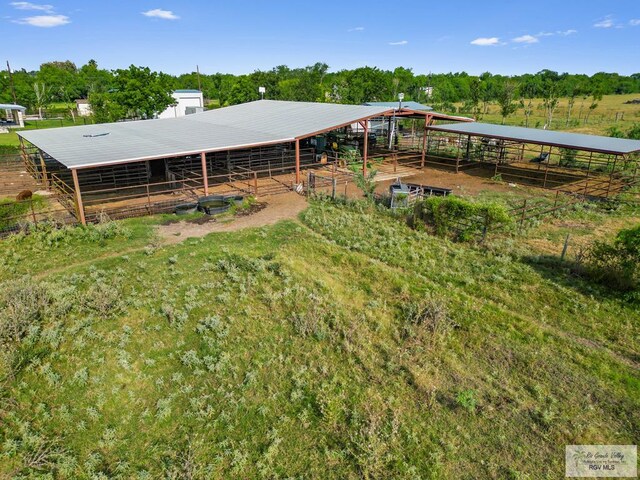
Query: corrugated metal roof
{"x":240,"y":126}
{"x":11,"y":106}
{"x":578,"y":141}
{"x":409,"y":104}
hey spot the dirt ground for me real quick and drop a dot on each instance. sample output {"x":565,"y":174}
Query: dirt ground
{"x":288,"y":205}
{"x":462,"y":183}
{"x":285,"y":206}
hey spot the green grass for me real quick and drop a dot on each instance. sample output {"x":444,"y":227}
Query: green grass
{"x":11,"y":139}
{"x":290,"y":351}
{"x":600,"y":120}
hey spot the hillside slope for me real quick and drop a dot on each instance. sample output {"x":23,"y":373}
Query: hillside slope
{"x":342,"y":346}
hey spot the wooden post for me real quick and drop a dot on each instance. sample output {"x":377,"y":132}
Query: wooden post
{"x":524,"y":212}
{"x":203,"y":159}
{"x":148,"y":199}
{"x":297,"y":161}
{"x":79,"y":206}
{"x":365,"y":149}
{"x":43,"y":166}
{"x":424,"y":145}
{"x":546,"y":169}
{"x":615,"y":160}
{"x":255,"y":183}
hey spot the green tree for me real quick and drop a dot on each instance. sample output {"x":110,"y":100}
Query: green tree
{"x":506,"y":97}
{"x":137,"y":92}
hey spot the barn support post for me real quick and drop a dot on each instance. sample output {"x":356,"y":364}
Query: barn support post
{"x":615,"y":160}
{"x":297,"y":161}
{"x":205,"y":179}
{"x":23,"y":152}
{"x":586,"y":183}
{"x":43,"y":165}
{"x":365,"y":149}
{"x":468,"y":148}
{"x":79,"y":206}
{"x":458,"y":154}
{"x":424,"y":144}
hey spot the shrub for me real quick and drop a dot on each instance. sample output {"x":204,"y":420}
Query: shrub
{"x":460,"y":219}
{"x":427,"y":318}
{"x":617,"y":264}
{"x":467,"y":400}
{"x":22,"y":305}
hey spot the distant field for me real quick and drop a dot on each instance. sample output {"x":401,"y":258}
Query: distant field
{"x":600,"y":120}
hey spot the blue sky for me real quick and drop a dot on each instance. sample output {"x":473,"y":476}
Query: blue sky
{"x":236,"y":36}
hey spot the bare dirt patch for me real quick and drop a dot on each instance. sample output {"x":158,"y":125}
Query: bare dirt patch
{"x":272,"y":210}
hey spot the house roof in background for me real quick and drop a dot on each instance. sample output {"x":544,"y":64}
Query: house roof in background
{"x":409,"y":104}
{"x":11,"y":106}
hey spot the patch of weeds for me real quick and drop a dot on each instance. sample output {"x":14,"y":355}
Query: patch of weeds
{"x":467,"y":399}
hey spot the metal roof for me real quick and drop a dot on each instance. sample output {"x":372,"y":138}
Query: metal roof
{"x":239,"y":126}
{"x":577,"y":141}
{"x":11,"y":106}
{"x":186,"y":90}
{"x":409,"y":104}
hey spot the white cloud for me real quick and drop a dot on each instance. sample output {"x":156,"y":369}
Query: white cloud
{"x":31,"y":6}
{"x":606,"y":22}
{"x":356,"y":29}
{"x":545,"y":34}
{"x":526,"y":39}
{"x":634,"y":22}
{"x":564,"y":33}
{"x":401,"y":42}
{"x":159,"y":13}
{"x":486,"y":42}
{"x":44,"y":21}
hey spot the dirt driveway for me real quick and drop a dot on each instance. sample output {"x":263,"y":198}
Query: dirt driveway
{"x":286,"y":206}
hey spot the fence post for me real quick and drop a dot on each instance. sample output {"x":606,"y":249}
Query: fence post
{"x":148,"y":199}
{"x":524,"y":211}
{"x":485,"y":227}
{"x":333,"y":188}
{"x":555,"y":202}
{"x":255,"y":182}
{"x":564,"y":248}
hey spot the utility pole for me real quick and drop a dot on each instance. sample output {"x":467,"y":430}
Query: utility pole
{"x":13,"y":88}
{"x":198,"y":72}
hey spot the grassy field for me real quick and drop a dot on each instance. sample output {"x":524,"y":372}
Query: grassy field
{"x":600,"y":120}
{"x":342,"y":345}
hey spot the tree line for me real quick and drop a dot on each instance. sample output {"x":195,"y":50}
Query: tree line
{"x":138,"y":92}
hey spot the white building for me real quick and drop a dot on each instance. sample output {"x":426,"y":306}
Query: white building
{"x":186,"y":102}
{"x":11,"y":116}
{"x":84,"y":108}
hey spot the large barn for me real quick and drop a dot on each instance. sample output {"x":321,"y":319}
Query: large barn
{"x":134,"y":168}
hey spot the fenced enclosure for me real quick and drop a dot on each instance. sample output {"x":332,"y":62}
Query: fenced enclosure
{"x":569,"y":170}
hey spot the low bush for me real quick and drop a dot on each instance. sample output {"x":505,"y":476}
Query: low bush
{"x":617,"y":264}
{"x":427,"y":320}
{"x":460,"y":219}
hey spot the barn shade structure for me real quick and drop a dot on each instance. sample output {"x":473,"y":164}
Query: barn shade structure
{"x":90,"y":166}
{"x":574,"y":163}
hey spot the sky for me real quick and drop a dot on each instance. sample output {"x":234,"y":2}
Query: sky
{"x":241,"y":36}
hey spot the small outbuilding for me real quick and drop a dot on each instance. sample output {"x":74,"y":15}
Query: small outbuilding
{"x":12,"y":115}
{"x":186,"y":103}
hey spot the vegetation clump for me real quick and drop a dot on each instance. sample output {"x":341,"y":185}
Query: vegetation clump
{"x":617,"y":263}
{"x":461,"y":219}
